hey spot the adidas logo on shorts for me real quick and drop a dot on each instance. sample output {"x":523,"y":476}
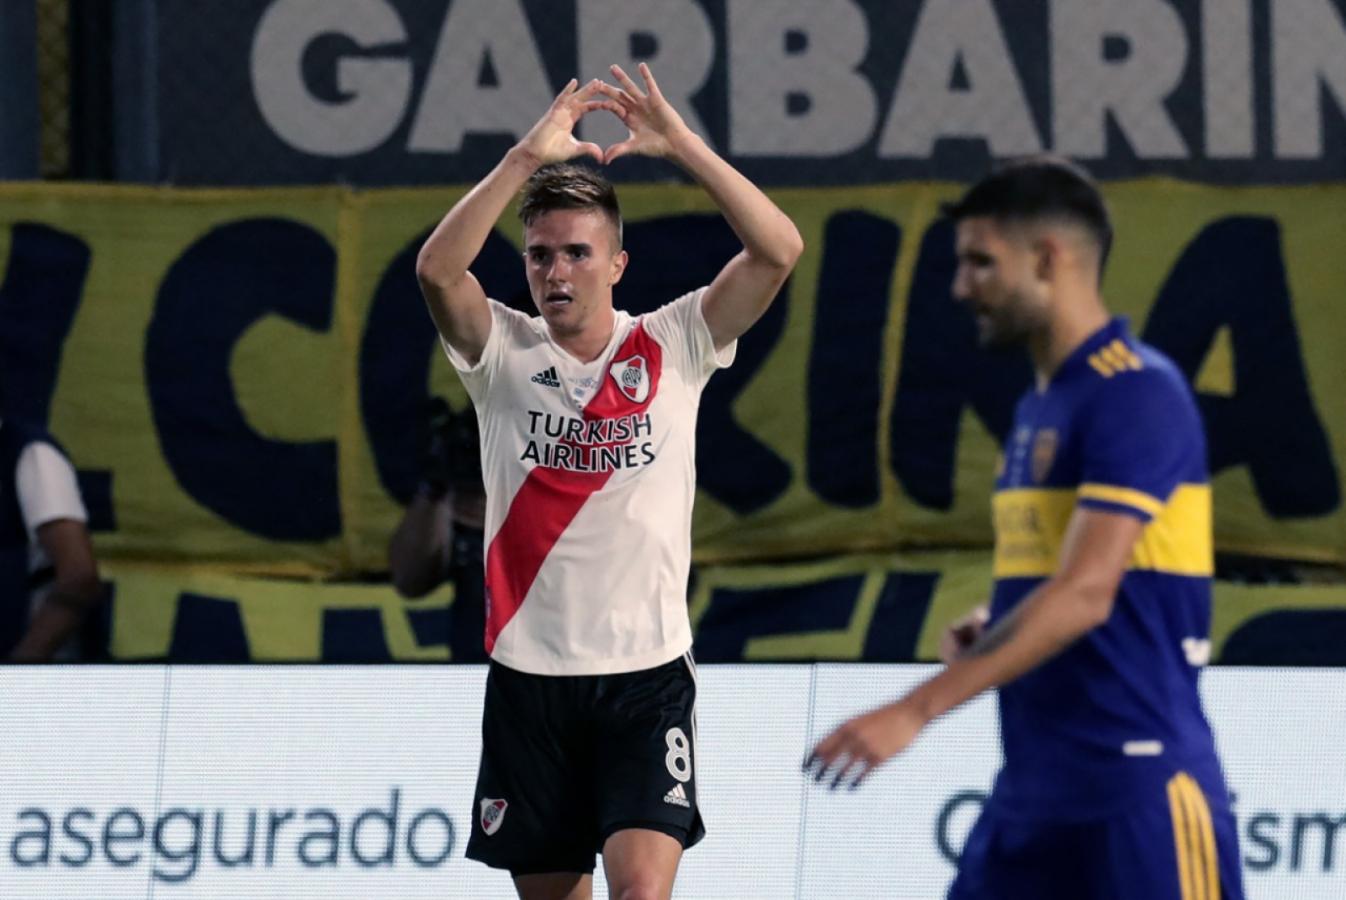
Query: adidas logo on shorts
{"x":677,"y":797}
{"x":547,"y":378}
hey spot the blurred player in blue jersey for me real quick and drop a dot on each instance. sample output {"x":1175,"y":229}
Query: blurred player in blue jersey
{"x":1099,"y":619}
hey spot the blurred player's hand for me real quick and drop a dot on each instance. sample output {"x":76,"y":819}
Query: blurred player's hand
{"x":651,"y":120}
{"x":552,"y":139}
{"x":962,"y":634}
{"x":849,"y":754}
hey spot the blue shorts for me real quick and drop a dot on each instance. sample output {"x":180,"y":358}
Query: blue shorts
{"x":1171,"y":847}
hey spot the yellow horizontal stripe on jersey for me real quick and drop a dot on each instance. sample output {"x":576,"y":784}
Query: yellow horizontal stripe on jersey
{"x":1030,"y":526}
{"x":1124,"y":496}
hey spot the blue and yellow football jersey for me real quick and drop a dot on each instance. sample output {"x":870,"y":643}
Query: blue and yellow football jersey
{"x":1116,"y":714}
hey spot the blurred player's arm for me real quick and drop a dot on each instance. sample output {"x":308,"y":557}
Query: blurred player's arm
{"x":419,"y":548}
{"x":963,"y":633}
{"x":70,"y":599}
{"x":744,"y":289}
{"x":457,"y":302}
{"x":1077,"y":599}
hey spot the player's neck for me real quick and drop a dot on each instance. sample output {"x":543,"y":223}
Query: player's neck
{"x":1070,"y":326}
{"x":588,"y":342}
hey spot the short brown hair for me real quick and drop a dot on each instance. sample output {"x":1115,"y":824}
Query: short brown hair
{"x":568,"y":186}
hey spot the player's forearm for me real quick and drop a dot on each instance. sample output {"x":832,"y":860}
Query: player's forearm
{"x":1046,"y":622}
{"x":417,"y":548}
{"x":458,"y":238}
{"x":769,"y":237}
{"x":56,"y":620}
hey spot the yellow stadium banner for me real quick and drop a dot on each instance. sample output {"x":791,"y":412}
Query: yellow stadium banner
{"x":864,"y":608}
{"x":241,"y":376}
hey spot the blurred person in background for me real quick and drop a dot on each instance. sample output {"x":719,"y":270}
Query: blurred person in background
{"x":1099,"y":619}
{"x":588,"y":420}
{"x":440,"y":536}
{"x":49,"y":587}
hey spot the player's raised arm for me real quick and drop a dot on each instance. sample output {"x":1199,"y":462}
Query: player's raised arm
{"x":456,"y":300}
{"x":1078,"y":598}
{"x":771,"y":243}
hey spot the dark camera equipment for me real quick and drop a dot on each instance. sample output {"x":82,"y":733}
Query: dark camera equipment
{"x":453,"y":448}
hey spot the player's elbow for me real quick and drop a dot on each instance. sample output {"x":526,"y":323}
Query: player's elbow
{"x":429,"y":268}
{"x":787,"y":249}
{"x":80,"y":586}
{"x":1095,"y":596}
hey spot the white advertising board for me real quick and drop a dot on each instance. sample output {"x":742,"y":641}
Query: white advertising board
{"x":257,"y":782}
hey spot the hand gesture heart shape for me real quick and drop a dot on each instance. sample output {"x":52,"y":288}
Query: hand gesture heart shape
{"x":650,"y":120}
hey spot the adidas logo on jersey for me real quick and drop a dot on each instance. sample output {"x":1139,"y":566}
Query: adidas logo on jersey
{"x":547,"y":378}
{"x":677,"y":797}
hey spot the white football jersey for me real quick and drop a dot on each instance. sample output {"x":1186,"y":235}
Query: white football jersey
{"x":590,"y":477}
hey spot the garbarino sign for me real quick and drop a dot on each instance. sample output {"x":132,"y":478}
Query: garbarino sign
{"x":817,"y":92}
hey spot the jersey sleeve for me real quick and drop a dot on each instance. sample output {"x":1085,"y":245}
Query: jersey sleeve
{"x":680,"y":327}
{"x":1138,"y":444}
{"x":47,"y":488}
{"x":477,"y":378}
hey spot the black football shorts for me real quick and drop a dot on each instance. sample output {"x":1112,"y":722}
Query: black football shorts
{"x":568,"y":760}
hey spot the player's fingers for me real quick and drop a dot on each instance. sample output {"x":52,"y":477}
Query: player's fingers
{"x":626,"y":81}
{"x":847,"y":771}
{"x":650,"y":85}
{"x":860,"y":776}
{"x":618,"y":150}
{"x":590,"y":149}
{"x":615,"y":108}
{"x":566,"y":91}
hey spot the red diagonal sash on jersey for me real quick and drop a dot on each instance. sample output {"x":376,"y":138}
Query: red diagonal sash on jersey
{"x":549,"y":499}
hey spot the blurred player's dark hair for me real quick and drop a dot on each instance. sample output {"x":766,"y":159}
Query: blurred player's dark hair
{"x":1037,"y":189}
{"x":569,"y":186}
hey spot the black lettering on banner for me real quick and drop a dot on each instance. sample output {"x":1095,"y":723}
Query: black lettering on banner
{"x":413,"y":851}
{"x":41,"y":836}
{"x":941,"y":372}
{"x":68,"y":826}
{"x":849,"y":326}
{"x":1305,"y":825}
{"x":399,"y":343}
{"x":949,"y":848}
{"x":113,"y":834}
{"x":275,"y":819}
{"x":1262,"y":834}
{"x":329,"y":836}
{"x":222,"y":285}
{"x":1232,"y":275}
{"x":670,"y":256}
{"x":378,"y":817}
{"x":735,"y":616}
{"x":191,"y":853}
{"x":244,"y":858}
{"x":42,"y":292}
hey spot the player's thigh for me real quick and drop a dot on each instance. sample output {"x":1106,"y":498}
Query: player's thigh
{"x":1010,"y":859}
{"x":533,"y":809}
{"x":647,"y":754}
{"x":641,"y":862}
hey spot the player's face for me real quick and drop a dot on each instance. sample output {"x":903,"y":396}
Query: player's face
{"x":997,"y":279}
{"x":571,"y":264}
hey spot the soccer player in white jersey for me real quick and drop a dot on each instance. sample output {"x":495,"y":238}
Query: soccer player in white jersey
{"x":588,"y":419}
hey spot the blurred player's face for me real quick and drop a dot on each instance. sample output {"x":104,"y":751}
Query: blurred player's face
{"x":999,"y":278}
{"x":571,"y":264}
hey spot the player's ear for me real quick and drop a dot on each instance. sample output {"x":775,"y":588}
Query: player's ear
{"x":1046,"y":258}
{"x":618,"y":267}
